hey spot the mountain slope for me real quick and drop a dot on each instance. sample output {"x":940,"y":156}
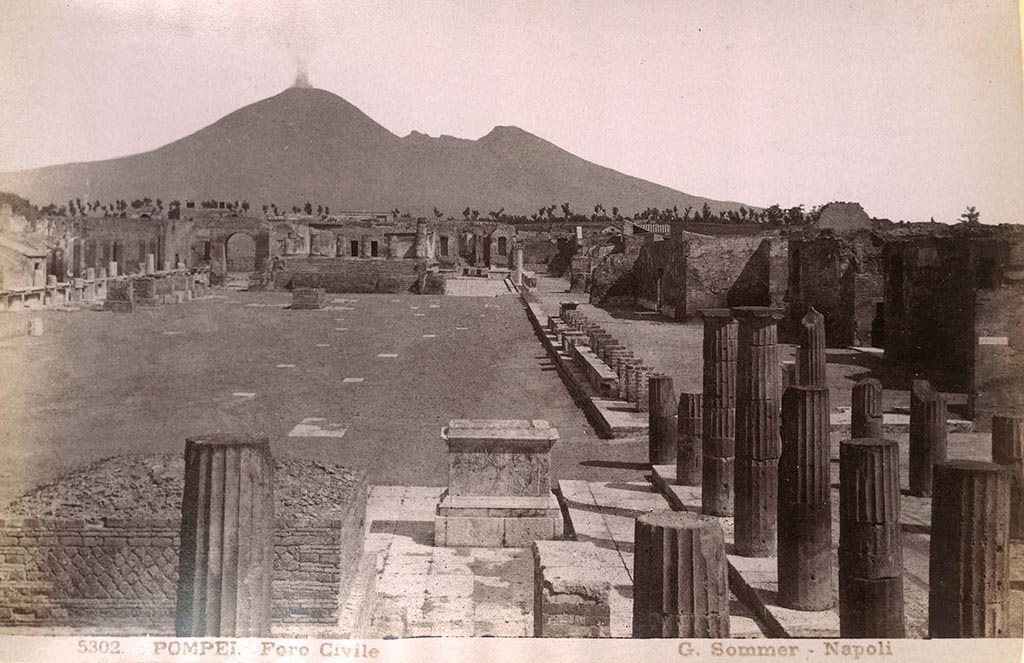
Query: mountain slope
{"x":309,"y":144}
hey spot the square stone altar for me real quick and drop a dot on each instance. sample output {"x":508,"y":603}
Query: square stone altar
{"x":499,"y":485}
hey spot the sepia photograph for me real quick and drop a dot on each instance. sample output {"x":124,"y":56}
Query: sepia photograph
{"x":600,"y":330}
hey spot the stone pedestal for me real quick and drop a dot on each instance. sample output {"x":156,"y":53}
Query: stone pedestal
{"x":227,"y":557}
{"x":662,"y":430}
{"x":150,"y":263}
{"x":680,"y":583}
{"x":499,"y":484}
{"x":1008,"y":450}
{"x":969,"y":551}
{"x":719,"y":385}
{"x":308,"y":298}
{"x":866,"y":409}
{"x":928,"y":434}
{"x":689,"y":444}
{"x":757,"y":430}
{"x":870,"y":549}
{"x":805,"y":503}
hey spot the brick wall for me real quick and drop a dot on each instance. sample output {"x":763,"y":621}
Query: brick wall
{"x":344,"y":275}
{"x":123,"y":574}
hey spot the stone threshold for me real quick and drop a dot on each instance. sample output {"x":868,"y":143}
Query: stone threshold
{"x":753,"y":580}
{"x":611,"y":418}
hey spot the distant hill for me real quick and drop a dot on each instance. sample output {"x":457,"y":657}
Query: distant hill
{"x":309,"y":144}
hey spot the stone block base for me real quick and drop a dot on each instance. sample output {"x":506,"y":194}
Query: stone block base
{"x":496,"y":522}
{"x":571,"y":591}
{"x":119,"y":307}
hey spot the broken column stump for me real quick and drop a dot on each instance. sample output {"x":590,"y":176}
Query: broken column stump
{"x":719,"y":386}
{"x":680,"y":584}
{"x":870,"y":548}
{"x":927,"y":435}
{"x":499,"y":485}
{"x":811,"y":353}
{"x":756,"y":472}
{"x":969,"y":551}
{"x":662,"y":430}
{"x":866,"y":409}
{"x":226,"y":558}
{"x":690,"y":439}
{"x":1008,"y":450}
{"x":805,"y":503}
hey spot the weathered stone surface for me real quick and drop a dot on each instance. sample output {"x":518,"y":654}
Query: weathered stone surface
{"x":928,"y":435}
{"x":680,"y":577}
{"x":804,"y":502}
{"x":1008,"y":450}
{"x":866,"y":409}
{"x":870,"y":550}
{"x":662,"y":431}
{"x":690,"y":439}
{"x":499,"y":457}
{"x":811,"y":353}
{"x":757,"y":433}
{"x":969,"y":552}
{"x":227,"y":519}
{"x":570,"y":581}
{"x":719,"y":421}
{"x":308,"y":298}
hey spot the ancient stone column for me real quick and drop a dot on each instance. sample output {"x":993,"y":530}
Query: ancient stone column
{"x":38,"y":278}
{"x":690,"y":441}
{"x":866,"y":410}
{"x":519,"y":264}
{"x":811,"y":353}
{"x":789,"y":375}
{"x":719,"y":385}
{"x":421,"y":238}
{"x":90,"y":273}
{"x":102,"y":274}
{"x":870,"y":549}
{"x":641,"y":395}
{"x":756,"y":471}
{"x":680,"y":586}
{"x":805,"y":503}
{"x":112,"y":269}
{"x":1008,"y":450}
{"x":969,"y":551}
{"x":151,"y":263}
{"x":662,"y":430}
{"x":927,"y":435}
{"x":626,"y":369}
{"x":364,"y":246}
{"x":227,"y":520}
{"x":51,"y":281}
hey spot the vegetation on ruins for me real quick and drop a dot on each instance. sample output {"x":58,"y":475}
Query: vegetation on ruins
{"x":971,"y":216}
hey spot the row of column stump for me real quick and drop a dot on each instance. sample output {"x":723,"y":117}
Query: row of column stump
{"x":757,"y":442}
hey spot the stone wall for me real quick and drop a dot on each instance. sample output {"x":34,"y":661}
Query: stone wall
{"x":953,"y":315}
{"x":692,"y":272}
{"x":342,"y":275}
{"x":123,"y":574}
{"x":841,"y":277}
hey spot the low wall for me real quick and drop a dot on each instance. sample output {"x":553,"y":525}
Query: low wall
{"x":347,"y":275}
{"x":123,"y":574}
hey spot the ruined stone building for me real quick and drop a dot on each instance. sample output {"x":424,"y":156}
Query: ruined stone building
{"x":840,"y":275}
{"x":954,"y":309}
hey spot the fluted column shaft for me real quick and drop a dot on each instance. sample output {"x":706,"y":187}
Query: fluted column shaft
{"x":870,"y":549}
{"x":689,"y":446}
{"x":927,"y":435}
{"x":719,"y":386}
{"x":757,"y":431}
{"x":662,"y":429}
{"x":227,"y":518}
{"x":969,"y":552}
{"x":811,"y":364}
{"x":805,"y":504}
{"x":680,"y":585}
{"x":866,"y":409}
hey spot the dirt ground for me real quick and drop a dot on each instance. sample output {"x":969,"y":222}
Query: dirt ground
{"x":100,"y":384}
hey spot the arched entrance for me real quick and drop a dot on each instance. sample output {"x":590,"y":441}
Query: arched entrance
{"x":240,"y":258}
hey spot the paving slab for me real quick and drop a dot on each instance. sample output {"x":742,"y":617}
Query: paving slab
{"x":603,"y":513}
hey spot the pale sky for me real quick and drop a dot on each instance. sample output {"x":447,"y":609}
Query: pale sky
{"x":912,"y":108}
